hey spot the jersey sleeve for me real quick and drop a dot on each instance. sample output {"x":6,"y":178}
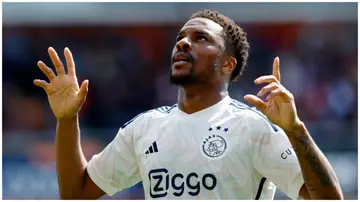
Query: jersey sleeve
{"x":116,"y":168}
{"x":273,"y":156}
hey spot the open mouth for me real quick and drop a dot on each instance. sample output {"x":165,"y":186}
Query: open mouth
{"x":181,"y":61}
{"x":181,"y":58}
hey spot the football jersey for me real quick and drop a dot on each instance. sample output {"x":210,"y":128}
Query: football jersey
{"x":226,"y":151}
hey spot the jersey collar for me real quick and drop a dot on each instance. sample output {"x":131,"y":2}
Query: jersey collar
{"x":207,"y":112}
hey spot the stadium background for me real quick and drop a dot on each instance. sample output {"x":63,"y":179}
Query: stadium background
{"x":124,"y":50}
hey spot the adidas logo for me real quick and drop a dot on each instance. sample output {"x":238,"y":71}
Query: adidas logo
{"x":152,"y":149}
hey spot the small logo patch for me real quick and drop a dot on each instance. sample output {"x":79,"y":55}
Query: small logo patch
{"x":214,"y":146}
{"x":152,"y":149}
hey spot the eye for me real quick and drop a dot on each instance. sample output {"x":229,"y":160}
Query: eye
{"x":201,"y":38}
{"x":178,"y":38}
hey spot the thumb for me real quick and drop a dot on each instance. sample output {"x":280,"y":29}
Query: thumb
{"x":83,"y":90}
{"x":256,"y":101}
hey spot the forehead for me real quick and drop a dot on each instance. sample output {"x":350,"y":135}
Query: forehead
{"x":204,"y":24}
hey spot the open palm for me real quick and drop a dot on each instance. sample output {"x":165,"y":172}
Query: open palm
{"x":279,"y":106}
{"x":64,"y":95}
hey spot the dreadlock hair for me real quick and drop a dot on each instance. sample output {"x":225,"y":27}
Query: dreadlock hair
{"x":235,"y":40}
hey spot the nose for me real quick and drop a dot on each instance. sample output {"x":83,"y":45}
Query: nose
{"x":184,"y":44}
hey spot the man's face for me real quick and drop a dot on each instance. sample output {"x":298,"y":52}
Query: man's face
{"x":198,"y":51}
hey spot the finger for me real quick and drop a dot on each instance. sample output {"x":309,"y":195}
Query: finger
{"x":267,"y":89}
{"x":276,"y":68}
{"x":261,"y":105}
{"x":284,"y":94}
{"x":41,"y":83}
{"x":274,"y":93}
{"x":83,"y":90}
{"x":266,"y":79}
{"x":56,"y":61}
{"x":46,"y":70}
{"x":69,"y":62}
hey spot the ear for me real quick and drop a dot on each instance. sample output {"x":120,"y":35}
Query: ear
{"x":229,"y":65}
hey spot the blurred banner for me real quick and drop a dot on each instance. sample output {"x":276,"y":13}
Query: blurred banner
{"x":124,"y":50}
{"x":125,"y":13}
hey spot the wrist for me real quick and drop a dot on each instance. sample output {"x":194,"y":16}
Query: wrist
{"x":297,"y":130}
{"x":65,"y":120}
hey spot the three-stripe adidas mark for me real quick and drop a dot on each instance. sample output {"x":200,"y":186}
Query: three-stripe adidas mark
{"x":152,"y":149}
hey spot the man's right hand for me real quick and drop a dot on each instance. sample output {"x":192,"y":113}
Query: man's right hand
{"x":65,"y":96}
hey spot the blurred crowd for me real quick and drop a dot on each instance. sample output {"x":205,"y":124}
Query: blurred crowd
{"x":128,"y":69}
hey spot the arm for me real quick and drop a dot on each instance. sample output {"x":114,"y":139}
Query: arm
{"x":74,"y":181}
{"x":115,"y":168}
{"x":319,"y":176}
{"x":66,"y":98}
{"x":279,"y":108}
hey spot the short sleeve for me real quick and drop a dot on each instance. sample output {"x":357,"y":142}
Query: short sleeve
{"x":116,"y":167}
{"x":274,"y":157}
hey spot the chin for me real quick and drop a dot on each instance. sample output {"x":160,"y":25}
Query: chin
{"x":181,"y":79}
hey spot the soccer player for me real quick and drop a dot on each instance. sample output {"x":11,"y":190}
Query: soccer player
{"x":208,"y":145}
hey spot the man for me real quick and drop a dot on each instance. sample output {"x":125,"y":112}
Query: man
{"x":207,"y":146}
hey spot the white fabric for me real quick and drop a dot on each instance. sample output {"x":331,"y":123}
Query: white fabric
{"x":222,"y":152}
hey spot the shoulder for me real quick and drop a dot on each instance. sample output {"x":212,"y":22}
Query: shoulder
{"x":253,"y":117}
{"x":142,"y":118}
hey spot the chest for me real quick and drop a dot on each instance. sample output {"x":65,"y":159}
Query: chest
{"x":195,"y":158}
{"x":216,"y":147}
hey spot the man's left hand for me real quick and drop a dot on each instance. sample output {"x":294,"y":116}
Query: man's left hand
{"x":279,"y":106}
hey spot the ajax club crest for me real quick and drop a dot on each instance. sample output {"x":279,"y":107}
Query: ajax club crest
{"x":214,"y":145}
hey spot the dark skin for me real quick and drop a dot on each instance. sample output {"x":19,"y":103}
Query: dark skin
{"x":206,"y":81}
{"x":204,"y":40}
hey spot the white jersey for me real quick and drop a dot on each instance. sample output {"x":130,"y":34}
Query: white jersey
{"x":226,"y":151}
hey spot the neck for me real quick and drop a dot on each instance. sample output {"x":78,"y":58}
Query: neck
{"x":195,"y":98}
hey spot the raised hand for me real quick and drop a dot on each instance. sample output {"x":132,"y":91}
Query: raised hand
{"x":279,"y":106}
{"x":65,"y":96}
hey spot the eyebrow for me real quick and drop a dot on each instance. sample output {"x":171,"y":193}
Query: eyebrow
{"x":196,"y":32}
{"x":202,"y":33}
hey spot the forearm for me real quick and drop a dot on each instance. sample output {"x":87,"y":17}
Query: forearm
{"x":70,"y":160}
{"x":319,"y":176}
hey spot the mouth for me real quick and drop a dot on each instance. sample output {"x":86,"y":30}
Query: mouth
{"x":181,"y":62}
{"x":181,"y":58}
